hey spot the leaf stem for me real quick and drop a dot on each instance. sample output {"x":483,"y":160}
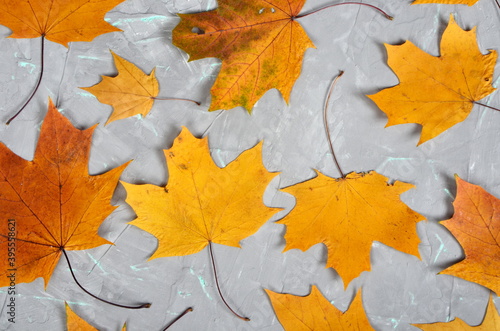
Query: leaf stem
{"x":179,"y":99}
{"x":325,"y":120}
{"x":484,"y":105}
{"x":389,"y":17}
{"x":178,"y":317}
{"x":217,"y":283}
{"x":145,"y":305}
{"x":498,"y":4}
{"x":37,"y":84}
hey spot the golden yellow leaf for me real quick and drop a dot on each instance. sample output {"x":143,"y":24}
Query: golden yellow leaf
{"x":202,"y":203}
{"x":347,"y":215}
{"x":437,"y":92}
{"x":476,"y":225}
{"x":60,"y":21}
{"x":131,"y":92}
{"x":260,"y":43}
{"x":75,"y":322}
{"x":446,"y":2}
{"x":491,"y":322}
{"x":314,"y":312}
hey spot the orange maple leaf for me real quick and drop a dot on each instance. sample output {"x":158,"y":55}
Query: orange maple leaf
{"x":437,"y":92}
{"x":446,"y":2}
{"x":490,"y":322}
{"x":75,"y":322}
{"x":260,"y":43}
{"x":476,"y":225}
{"x":52,"y":203}
{"x":131,"y":92}
{"x":202,"y":203}
{"x":347,"y":215}
{"x":314,"y":312}
{"x":60,"y":21}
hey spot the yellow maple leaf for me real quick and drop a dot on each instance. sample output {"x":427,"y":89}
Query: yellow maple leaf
{"x":347,"y":215}
{"x":314,"y":312}
{"x":476,"y":225}
{"x":131,"y":92}
{"x":260,"y":43}
{"x":446,"y":2}
{"x":60,"y":21}
{"x":490,"y":322}
{"x":202,"y":203}
{"x":437,"y":92}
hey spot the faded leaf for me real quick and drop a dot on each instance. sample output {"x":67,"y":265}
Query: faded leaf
{"x":260,"y":44}
{"x":476,"y":225}
{"x":347,"y":215}
{"x":490,"y":322}
{"x":54,"y":201}
{"x":202,"y":203}
{"x":60,"y":21}
{"x":314,"y":312}
{"x":131,"y":92}
{"x":437,"y":92}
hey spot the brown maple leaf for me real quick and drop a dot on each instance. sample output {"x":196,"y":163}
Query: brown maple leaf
{"x":347,"y":214}
{"x":476,"y":225}
{"x":52,"y":203}
{"x":315,"y":312}
{"x":437,"y":92}
{"x":60,"y":21}
{"x":260,"y":43}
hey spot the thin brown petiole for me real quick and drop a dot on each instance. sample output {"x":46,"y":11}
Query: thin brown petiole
{"x":389,"y":17}
{"x":484,"y":105}
{"x":178,"y":99}
{"x":217,"y":283}
{"x":145,"y":305}
{"x":498,"y":4}
{"x":325,"y":120}
{"x":178,"y":317}
{"x":37,"y":83}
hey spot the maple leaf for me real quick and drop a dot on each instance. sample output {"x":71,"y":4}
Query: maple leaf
{"x":75,"y":322}
{"x":202,"y":203}
{"x":60,"y":21}
{"x":315,"y":312}
{"x":52,"y":203}
{"x":490,"y":322}
{"x":131,"y":92}
{"x":260,"y":43}
{"x":437,"y":92}
{"x":446,"y":2}
{"x":347,"y":215}
{"x":476,"y":226}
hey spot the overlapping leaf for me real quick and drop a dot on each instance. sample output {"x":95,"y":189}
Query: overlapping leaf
{"x":476,"y":225}
{"x":53,"y":200}
{"x":260,"y":44}
{"x":347,"y":215}
{"x":60,"y":21}
{"x":314,"y":312}
{"x":202,"y":203}
{"x":131,"y":92}
{"x":437,"y":92}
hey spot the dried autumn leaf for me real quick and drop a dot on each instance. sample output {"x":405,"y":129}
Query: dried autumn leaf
{"x":446,"y":2}
{"x":55,"y":203}
{"x":202,"y":203}
{"x":60,"y":21}
{"x":75,"y":322}
{"x":260,"y":43}
{"x":437,"y":92}
{"x":347,"y":215}
{"x":314,"y":312}
{"x":131,"y":92}
{"x":476,"y":225}
{"x":490,"y":322}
